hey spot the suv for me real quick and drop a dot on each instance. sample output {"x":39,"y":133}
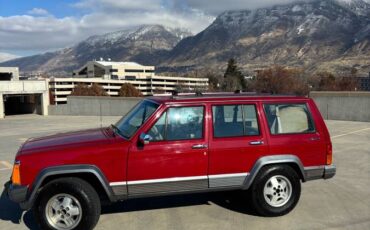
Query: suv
{"x":265,"y":145}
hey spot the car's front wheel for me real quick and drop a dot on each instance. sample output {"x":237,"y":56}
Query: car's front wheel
{"x":276,"y":190}
{"x":67,"y":204}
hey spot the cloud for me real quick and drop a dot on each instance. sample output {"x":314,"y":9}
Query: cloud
{"x":219,"y":6}
{"x":7,"y":57}
{"x":38,"y":11}
{"x":40,"y":31}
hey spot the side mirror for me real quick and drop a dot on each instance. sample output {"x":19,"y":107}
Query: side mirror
{"x":145,"y":138}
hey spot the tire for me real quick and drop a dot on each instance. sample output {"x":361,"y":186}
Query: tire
{"x":67,"y":203}
{"x":275,"y":190}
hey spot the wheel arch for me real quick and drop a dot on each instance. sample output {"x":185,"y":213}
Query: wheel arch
{"x":89,"y":173}
{"x":288,"y":159}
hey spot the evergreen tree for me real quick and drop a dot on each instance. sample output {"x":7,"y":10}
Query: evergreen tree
{"x":232,"y":75}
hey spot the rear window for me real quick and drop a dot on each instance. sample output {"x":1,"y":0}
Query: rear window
{"x":289,"y":118}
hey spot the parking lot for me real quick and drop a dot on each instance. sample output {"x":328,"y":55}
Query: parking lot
{"x":339,"y":203}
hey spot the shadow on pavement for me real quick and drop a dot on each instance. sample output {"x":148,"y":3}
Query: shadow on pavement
{"x":234,"y":201}
{"x":10,"y":211}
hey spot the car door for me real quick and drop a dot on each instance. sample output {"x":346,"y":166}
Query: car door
{"x":175,"y":159}
{"x":293,"y":130}
{"x":236,"y":141}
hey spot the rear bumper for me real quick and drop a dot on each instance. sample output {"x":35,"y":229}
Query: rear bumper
{"x":329,"y":171}
{"x":16,"y":193}
{"x":320,"y":172}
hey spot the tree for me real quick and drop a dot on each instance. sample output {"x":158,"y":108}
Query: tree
{"x":94,"y":90}
{"x":97,"y":90}
{"x":233,"y":77}
{"x":128,"y":90}
{"x":326,"y":81}
{"x":80,"y":90}
{"x":281,"y":80}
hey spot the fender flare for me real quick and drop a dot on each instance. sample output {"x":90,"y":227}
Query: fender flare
{"x":66,"y":169}
{"x":269,"y":160}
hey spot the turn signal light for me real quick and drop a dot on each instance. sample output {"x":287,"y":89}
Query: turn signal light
{"x":16,"y":175}
{"x":329,"y":154}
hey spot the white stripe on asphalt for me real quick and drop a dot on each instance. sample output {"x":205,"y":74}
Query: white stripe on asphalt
{"x":345,"y":134}
{"x":6,"y":164}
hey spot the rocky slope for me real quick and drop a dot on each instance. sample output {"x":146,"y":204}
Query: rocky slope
{"x":316,"y":35}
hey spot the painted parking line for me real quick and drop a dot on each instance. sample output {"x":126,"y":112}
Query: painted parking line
{"x":345,"y":134}
{"x":6,"y":164}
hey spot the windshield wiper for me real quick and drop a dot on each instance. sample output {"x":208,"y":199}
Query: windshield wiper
{"x":117,"y":130}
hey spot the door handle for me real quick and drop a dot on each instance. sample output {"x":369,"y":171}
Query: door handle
{"x":256,"y":143}
{"x":199,"y":146}
{"x":314,"y":138}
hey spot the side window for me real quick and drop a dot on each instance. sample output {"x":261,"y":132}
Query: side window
{"x":289,"y":118}
{"x":179,"y":123}
{"x":157,"y":132}
{"x":227,"y":120}
{"x":184,"y":123}
{"x":234,"y":120}
{"x":250,"y":120}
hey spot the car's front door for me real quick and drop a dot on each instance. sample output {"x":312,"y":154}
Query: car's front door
{"x":176,"y":157}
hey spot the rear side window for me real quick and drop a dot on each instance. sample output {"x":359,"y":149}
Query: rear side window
{"x":289,"y":118}
{"x":234,"y":120}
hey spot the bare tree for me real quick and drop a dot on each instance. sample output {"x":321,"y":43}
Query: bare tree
{"x":128,"y":90}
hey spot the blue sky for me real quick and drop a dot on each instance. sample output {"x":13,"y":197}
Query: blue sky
{"x":56,"y":7}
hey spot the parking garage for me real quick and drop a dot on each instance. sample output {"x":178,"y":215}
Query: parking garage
{"x":23,"y":97}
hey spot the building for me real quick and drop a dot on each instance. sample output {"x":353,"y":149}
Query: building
{"x":364,"y":83}
{"x":22,"y":97}
{"x":60,"y":88}
{"x":114,"y":70}
{"x":9,"y":74}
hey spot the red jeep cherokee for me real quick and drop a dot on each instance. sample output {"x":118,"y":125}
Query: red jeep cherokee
{"x":172,"y":145}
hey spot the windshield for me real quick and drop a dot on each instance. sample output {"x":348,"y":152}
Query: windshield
{"x":133,"y":120}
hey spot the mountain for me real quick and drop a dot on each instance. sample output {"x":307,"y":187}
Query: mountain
{"x":145,"y":44}
{"x":316,"y":35}
{"x":7,"y":57}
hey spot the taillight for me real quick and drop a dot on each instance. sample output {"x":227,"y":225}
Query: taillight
{"x":329,"y":154}
{"x":16,"y":175}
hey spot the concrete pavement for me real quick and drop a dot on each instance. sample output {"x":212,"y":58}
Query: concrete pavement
{"x":339,"y":203}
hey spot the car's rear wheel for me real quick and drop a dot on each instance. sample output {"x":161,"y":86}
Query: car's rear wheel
{"x":276,"y":190}
{"x":66,"y":204}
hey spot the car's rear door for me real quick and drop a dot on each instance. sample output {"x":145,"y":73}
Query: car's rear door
{"x":236,"y":140}
{"x":293,"y":129}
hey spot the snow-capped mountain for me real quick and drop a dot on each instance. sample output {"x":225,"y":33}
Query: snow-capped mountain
{"x":146,"y":44}
{"x":7,"y":57}
{"x":315,"y":35}
{"x":359,"y":7}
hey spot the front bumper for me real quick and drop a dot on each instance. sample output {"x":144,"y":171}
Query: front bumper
{"x":16,"y":193}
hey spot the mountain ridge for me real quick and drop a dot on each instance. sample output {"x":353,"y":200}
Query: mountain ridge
{"x":320,"y":35}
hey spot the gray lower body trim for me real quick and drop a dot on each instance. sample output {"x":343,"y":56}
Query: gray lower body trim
{"x":319,"y":172}
{"x":171,"y":185}
{"x":227,"y":180}
{"x":119,"y":188}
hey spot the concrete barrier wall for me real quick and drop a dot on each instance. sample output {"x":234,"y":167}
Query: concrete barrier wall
{"x":347,"y":106}
{"x":95,"y":106}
